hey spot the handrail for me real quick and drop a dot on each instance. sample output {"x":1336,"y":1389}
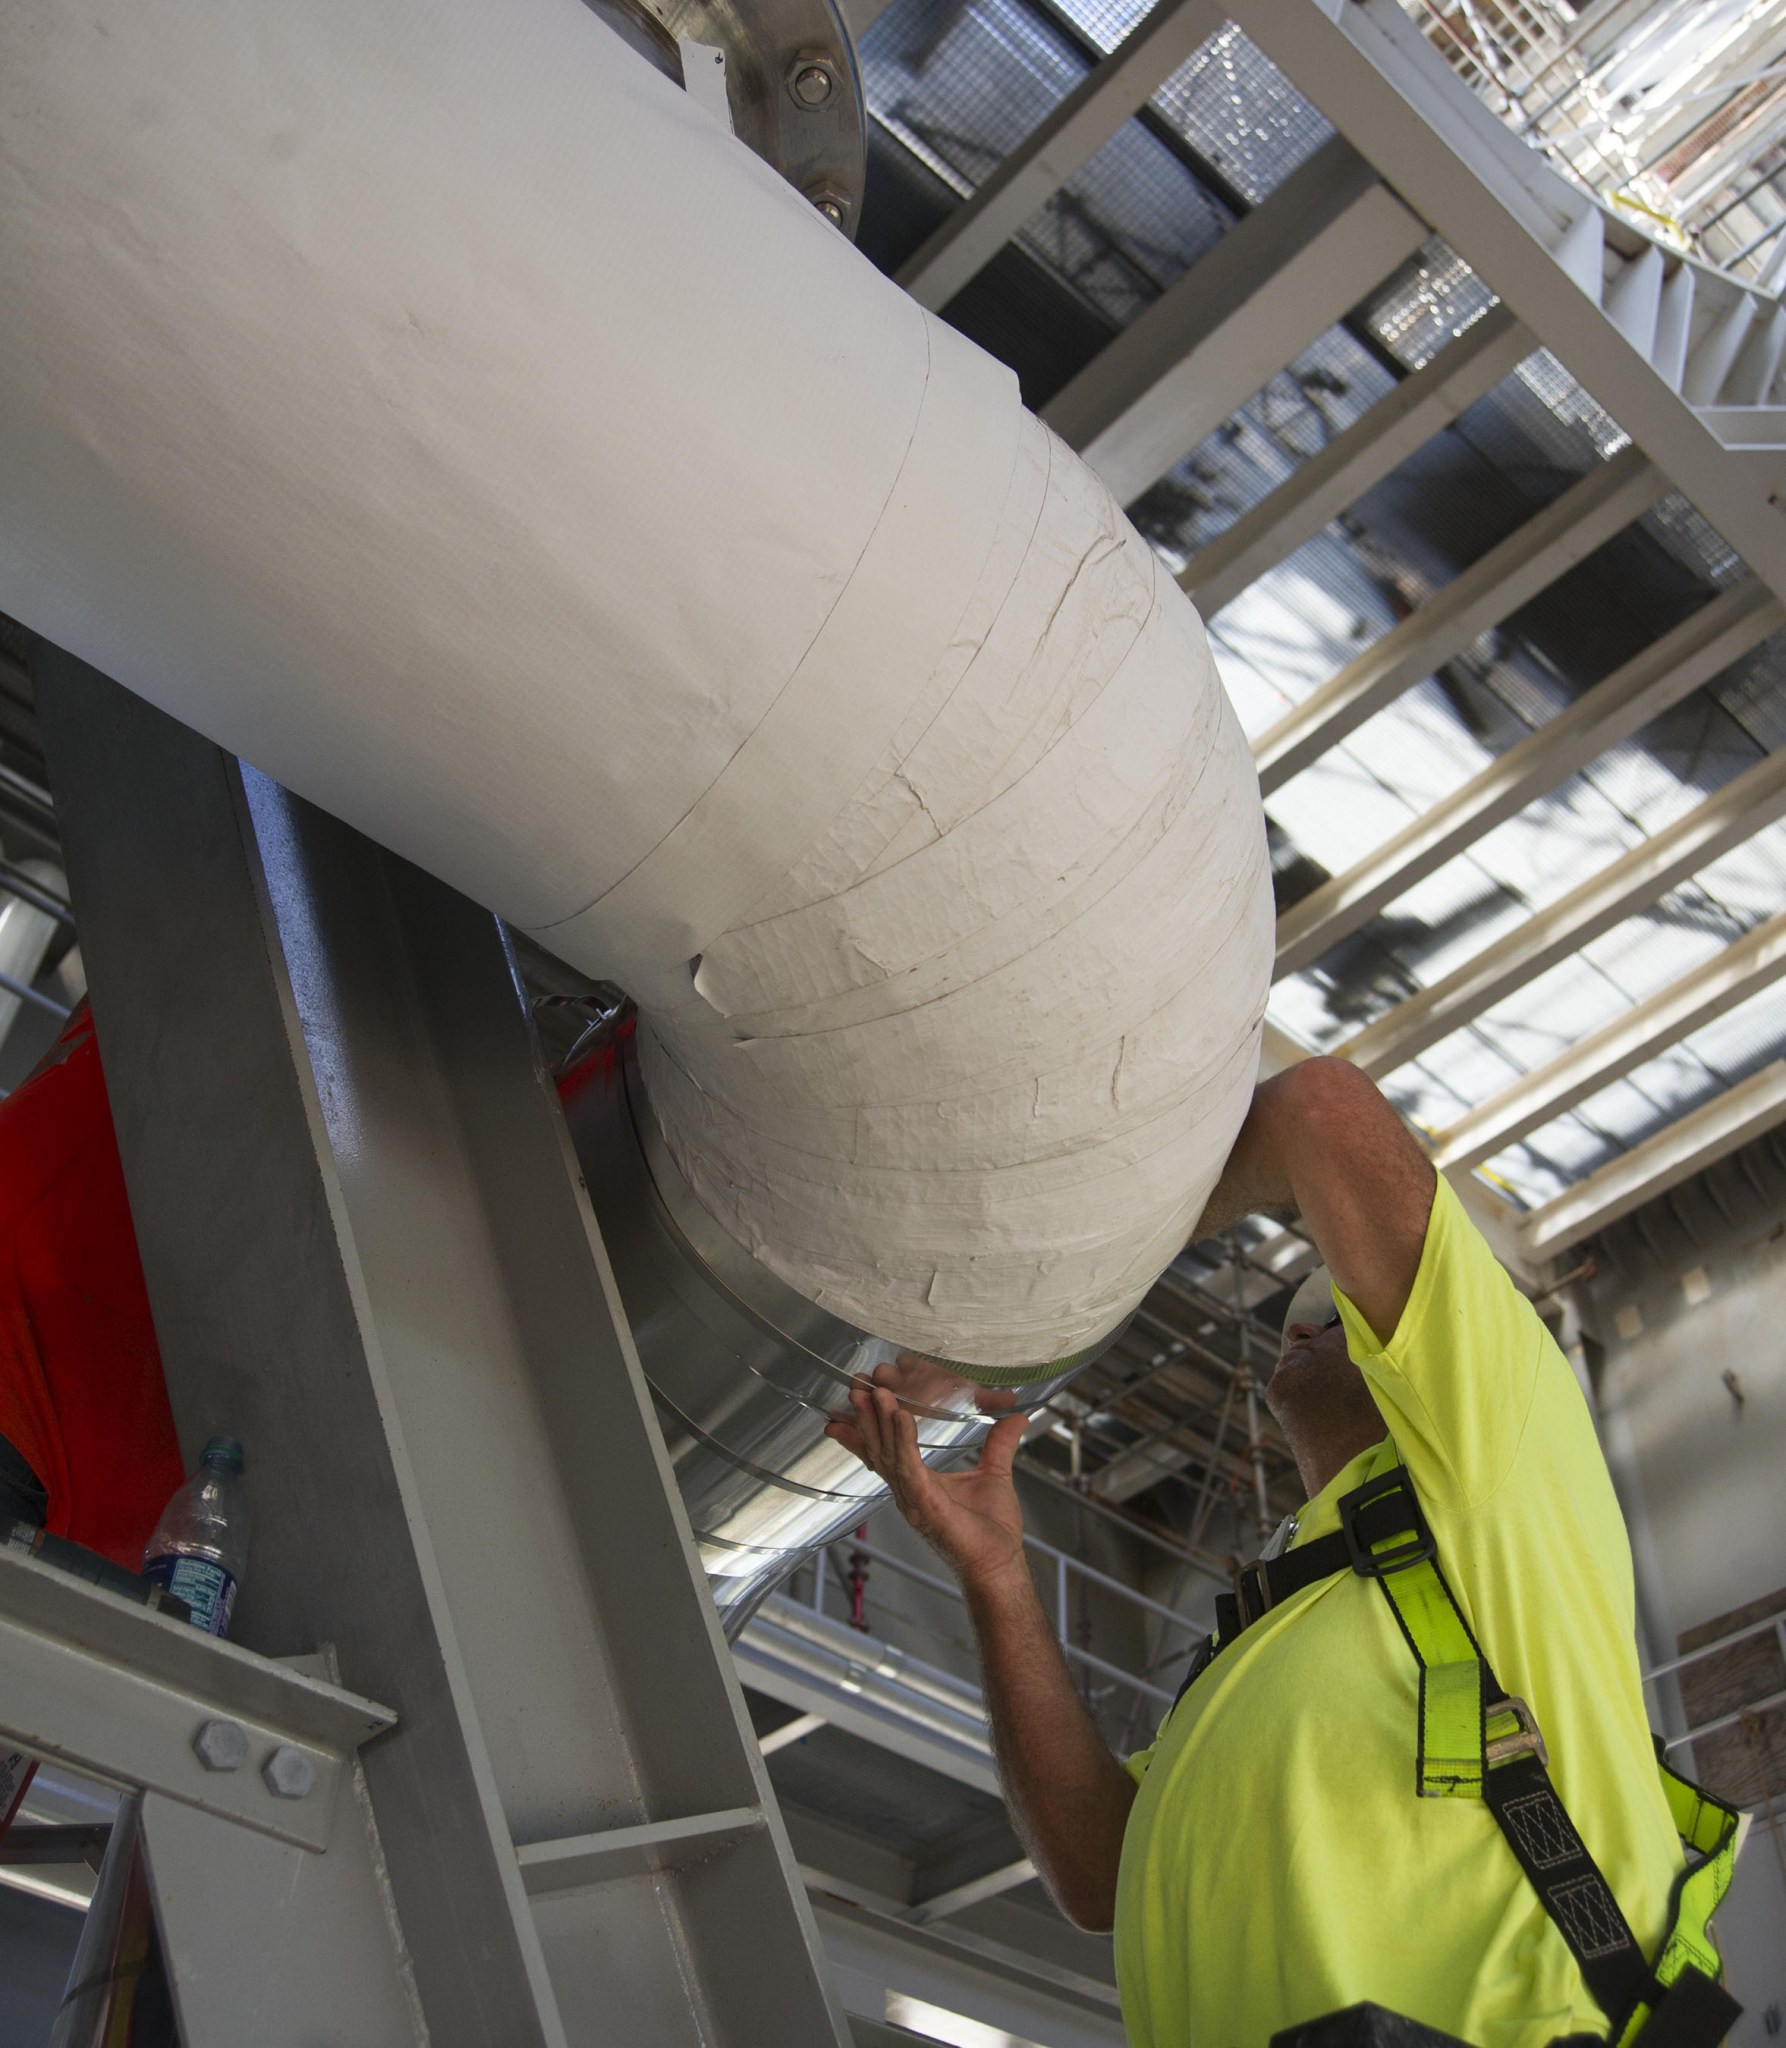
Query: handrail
{"x":1775,"y":1622}
{"x":1068,"y":1648}
{"x":1098,"y":1578}
{"x":1065,"y":1563}
{"x":1774,"y":1699}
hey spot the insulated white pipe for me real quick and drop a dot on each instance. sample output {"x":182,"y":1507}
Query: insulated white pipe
{"x":425,"y":400}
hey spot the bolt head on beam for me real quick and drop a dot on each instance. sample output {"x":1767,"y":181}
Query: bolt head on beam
{"x":221,"y":1745}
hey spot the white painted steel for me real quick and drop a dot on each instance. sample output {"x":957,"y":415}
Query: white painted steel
{"x":277,"y":1946}
{"x":1752,"y":376}
{"x":1731,"y":976}
{"x":1735,"y":813}
{"x":1674,"y":326}
{"x":1043,"y":162}
{"x":431,"y":405}
{"x":110,"y":1688}
{"x":1529,"y":560}
{"x":1709,"y":366}
{"x":575,"y":1862}
{"x":1618,"y":705}
{"x":1634,"y":300}
{"x":1504,"y":210}
{"x":1282,"y":275}
{"x":1660,"y":1163}
{"x":958,"y":1898}
{"x":859,"y":1684}
{"x":1341,"y":472}
{"x":789,"y":1732}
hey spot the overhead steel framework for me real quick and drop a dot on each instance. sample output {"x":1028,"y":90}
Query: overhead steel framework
{"x":1688,"y":359}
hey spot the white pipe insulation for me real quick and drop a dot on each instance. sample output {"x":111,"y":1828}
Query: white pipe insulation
{"x":426,"y":401}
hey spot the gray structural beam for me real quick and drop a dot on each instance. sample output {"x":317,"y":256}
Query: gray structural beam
{"x":337,"y":1970}
{"x":1281,"y":276}
{"x":1043,"y":162}
{"x":790,"y":1731}
{"x":958,"y":1898}
{"x":1701,"y":647}
{"x":1731,"y":976}
{"x":877,"y":1948}
{"x":1529,"y":560}
{"x":271,"y":1945}
{"x":1675,"y":1154}
{"x":1372,"y":74}
{"x":868,"y":1689}
{"x":370,"y":1255}
{"x":236,"y":1843}
{"x":1340,"y":474}
{"x":1738,"y":811}
{"x":111,"y":1688}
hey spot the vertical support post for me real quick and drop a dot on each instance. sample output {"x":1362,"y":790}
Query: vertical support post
{"x":369,"y":1254}
{"x":1255,"y":1436}
{"x":1256,"y":1446}
{"x":1206,"y":1496}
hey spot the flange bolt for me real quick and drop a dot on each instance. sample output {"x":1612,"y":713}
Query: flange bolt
{"x":221,"y":1745}
{"x":289,"y":1773}
{"x":812,"y":82}
{"x":831,"y":203}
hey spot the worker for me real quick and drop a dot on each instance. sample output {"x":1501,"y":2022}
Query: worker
{"x":1270,"y":1860}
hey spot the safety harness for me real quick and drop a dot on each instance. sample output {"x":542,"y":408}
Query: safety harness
{"x":1477,"y":1741}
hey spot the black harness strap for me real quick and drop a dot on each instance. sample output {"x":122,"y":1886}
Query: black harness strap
{"x":1385,"y":1509}
{"x":1382,"y":1533}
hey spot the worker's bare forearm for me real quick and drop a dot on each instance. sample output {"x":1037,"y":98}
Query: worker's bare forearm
{"x":1256,"y":1178}
{"x":1321,"y":1142}
{"x":1069,"y":1797}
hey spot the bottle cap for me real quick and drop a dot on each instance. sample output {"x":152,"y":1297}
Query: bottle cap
{"x":224,"y":1451}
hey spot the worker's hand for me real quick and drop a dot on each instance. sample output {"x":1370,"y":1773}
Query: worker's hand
{"x":971,"y":1519}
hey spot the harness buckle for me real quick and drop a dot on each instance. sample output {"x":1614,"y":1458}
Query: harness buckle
{"x":1527,"y":1741}
{"x":1252,"y":1591}
{"x":1403,"y":1519}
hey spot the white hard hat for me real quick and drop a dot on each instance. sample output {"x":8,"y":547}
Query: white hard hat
{"x":1313,"y":1300}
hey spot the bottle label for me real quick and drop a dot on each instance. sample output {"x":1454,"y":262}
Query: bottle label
{"x":207,"y":1588}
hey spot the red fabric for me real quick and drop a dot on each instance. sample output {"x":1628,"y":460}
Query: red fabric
{"x":82,"y":1398}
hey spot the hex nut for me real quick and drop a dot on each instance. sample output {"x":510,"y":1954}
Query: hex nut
{"x":221,"y":1745}
{"x":812,"y":81}
{"x":289,"y":1773}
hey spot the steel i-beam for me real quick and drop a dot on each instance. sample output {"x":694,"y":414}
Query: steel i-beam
{"x":1340,"y":473}
{"x":1664,"y":673}
{"x":1277,"y":279}
{"x":369,"y":1254}
{"x":1529,"y":560}
{"x":1755,"y":799}
{"x":1069,"y":138}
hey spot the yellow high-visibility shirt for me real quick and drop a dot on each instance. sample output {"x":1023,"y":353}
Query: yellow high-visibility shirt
{"x":1278,"y":1864}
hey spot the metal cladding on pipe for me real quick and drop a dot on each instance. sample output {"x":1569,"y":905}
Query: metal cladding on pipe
{"x":432,"y":405}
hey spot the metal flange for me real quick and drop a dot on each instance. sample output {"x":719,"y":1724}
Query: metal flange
{"x":791,"y":81}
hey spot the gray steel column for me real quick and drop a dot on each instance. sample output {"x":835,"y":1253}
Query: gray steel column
{"x":370,"y":1256}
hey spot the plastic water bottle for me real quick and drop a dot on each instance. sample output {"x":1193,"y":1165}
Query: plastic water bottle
{"x":200,"y":1545}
